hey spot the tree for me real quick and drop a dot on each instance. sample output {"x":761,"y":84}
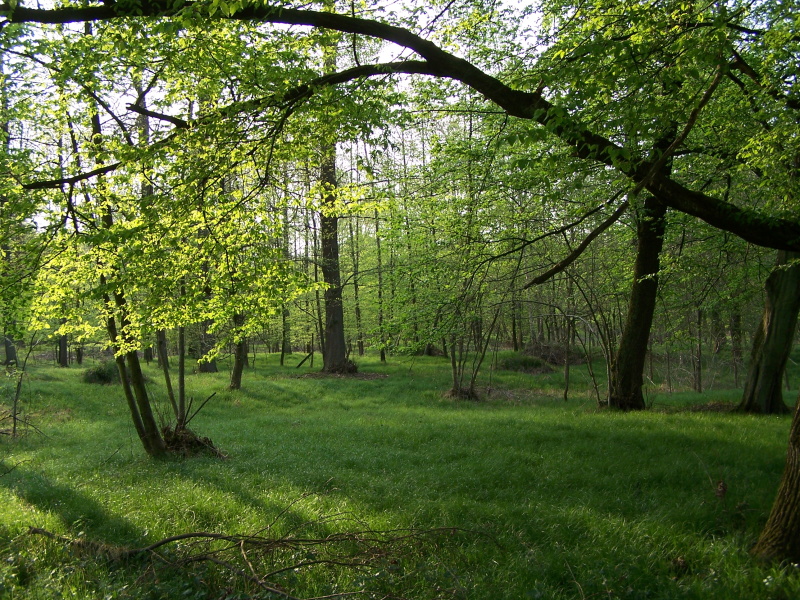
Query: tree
{"x":780,"y":538}
{"x":625,"y":385}
{"x":648,"y":65}
{"x":774,"y":337}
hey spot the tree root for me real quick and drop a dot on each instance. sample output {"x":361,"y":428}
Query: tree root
{"x":186,"y":442}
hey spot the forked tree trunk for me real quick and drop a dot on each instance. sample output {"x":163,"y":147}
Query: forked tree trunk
{"x":131,"y":377}
{"x":780,"y":538}
{"x":130,"y":371}
{"x":625,"y":385}
{"x":773,"y":339}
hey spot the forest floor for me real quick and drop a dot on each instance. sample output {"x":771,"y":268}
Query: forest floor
{"x":379,"y":486}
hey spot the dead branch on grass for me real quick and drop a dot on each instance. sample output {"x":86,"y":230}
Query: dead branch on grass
{"x":260,"y":560}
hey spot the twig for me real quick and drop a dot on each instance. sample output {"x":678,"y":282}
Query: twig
{"x":186,"y":422}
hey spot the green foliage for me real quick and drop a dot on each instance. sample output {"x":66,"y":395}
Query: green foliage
{"x":104,"y":373}
{"x":523,"y":362}
{"x":550,"y":497}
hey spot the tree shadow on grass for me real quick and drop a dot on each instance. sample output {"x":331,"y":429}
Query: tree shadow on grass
{"x":78,"y":512}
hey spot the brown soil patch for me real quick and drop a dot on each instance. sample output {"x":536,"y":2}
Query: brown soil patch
{"x":321,"y":375}
{"x":713,"y":407}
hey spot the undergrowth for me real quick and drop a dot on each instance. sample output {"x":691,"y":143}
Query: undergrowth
{"x":531,"y":496}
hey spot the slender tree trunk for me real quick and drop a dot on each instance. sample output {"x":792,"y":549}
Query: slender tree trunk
{"x":780,"y":538}
{"x":380,"y":288}
{"x":181,"y":374}
{"x":718,"y":331}
{"x":319,"y":324}
{"x":207,"y":341}
{"x":625,"y":385}
{"x":163,"y":360}
{"x":736,"y":345}
{"x":8,"y":342}
{"x":286,"y":326}
{"x":354,"y":257}
{"x":135,"y":390}
{"x":773,"y":340}
{"x":131,"y":377}
{"x":698,"y":358}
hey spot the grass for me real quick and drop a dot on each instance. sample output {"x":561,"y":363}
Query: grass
{"x":551,"y":499}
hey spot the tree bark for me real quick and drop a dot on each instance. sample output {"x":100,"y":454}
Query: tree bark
{"x":354,"y":253}
{"x":11,"y":351}
{"x":380,"y":288}
{"x":736,"y":344}
{"x":239,"y":356}
{"x":773,"y":339}
{"x":163,"y":361}
{"x":335,"y":349}
{"x":780,"y":538}
{"x":625,"y":386}
{"x":63,"y":348}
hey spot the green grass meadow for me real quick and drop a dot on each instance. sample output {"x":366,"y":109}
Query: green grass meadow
{"x":535,"y":497}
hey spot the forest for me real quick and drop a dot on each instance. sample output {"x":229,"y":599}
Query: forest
{"x":453,"y":299}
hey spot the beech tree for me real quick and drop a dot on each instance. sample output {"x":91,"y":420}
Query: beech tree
{"x":674,"y":63}
{"x":773,"y":339}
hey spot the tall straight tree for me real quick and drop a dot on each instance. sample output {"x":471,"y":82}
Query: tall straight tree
{"x":334,"y":353}
{"x":627,"y":369}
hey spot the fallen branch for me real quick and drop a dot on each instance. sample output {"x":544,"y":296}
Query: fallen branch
{"x":237,"y":554}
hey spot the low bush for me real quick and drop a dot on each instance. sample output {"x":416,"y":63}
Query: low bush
{"x":104,"y":373}
{"x":524,"y":363}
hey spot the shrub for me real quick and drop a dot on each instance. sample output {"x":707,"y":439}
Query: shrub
{"x":524,"y":363}
{"x":104,"y":373}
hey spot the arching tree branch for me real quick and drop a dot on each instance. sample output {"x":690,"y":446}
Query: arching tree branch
{"x":752,"y":225}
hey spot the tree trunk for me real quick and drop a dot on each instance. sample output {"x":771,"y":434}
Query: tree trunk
{"x":773,"y":339}
{"x":380,"y":288}
{"x":780,"y":538}
{"x":718,"y":331}
{"x":131,"y":376}
{"x":286,"y":326}
{"x":163,"y":361}
{"x":697,"y":378}
{"x":335,"y":350}
{"x":736,"y":345}
{"x":63,"y":349}
{"x":11,"y":351}
{"x":625,"y":386}
{"x":354,"y":257}
{"x":207,"y":341}
{"x":239,"y":356}
{"x":320,"y":325}
{"x":181,"y":374}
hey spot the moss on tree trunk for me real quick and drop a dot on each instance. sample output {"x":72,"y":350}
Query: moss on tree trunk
{"x":625,"y":387}
{"x":773,"y":339}
{"x":780,"y":538}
